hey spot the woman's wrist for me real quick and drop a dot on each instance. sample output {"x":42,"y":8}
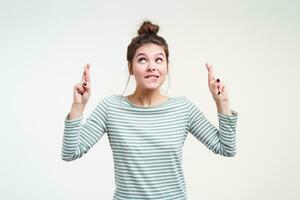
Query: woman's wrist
{"x":223,"y":107}
{"x":76,"y":110}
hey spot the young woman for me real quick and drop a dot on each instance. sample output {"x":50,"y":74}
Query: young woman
{"x":147,"y":130}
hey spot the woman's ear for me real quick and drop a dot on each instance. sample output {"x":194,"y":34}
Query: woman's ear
{"x":130,"y":69}
{"x":168,"y":69}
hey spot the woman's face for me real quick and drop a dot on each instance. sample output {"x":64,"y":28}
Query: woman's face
{"x":149,"y":67}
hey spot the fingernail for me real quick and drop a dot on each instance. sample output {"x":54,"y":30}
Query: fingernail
{"x":219,"y":93}
{"x":85,"y":83}
{"x":218,"y":80}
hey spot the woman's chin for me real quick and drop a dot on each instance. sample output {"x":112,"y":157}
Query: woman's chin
{"x":151,"y":87}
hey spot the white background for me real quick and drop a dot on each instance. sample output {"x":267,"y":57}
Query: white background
{"x":253,"y":45}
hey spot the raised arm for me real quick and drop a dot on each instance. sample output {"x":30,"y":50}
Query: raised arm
{"x":221,"y":140}
{"x":78,"y":138}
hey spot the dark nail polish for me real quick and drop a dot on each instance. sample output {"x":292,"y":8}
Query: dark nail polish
{"x":218,"y":80}
{"x":84,"y":83}
{"x":218,"y":93}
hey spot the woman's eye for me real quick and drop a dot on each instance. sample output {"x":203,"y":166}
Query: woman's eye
{"x":140,"y":59}
{"x":159,"y":59}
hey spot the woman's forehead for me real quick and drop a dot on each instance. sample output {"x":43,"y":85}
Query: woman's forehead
{"x":150,"y":50}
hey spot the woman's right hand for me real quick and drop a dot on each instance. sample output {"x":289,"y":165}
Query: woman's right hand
{"x":82,"y":90}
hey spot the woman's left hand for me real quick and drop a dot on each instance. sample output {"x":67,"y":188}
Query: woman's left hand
{"x":217,"y":88}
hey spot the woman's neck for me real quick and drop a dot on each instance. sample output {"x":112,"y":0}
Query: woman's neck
{"x":146,"y":99}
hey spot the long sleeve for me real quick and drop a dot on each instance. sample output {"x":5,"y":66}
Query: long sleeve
{"x":220,"y":140}
{"x":78,"y":138}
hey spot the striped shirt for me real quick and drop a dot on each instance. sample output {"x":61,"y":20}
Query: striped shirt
{"x":147,"y":143}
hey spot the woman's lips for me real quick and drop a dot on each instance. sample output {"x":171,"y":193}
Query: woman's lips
{"x":152,"y":76}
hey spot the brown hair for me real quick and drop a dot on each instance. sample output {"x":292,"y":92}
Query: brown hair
{"x":147,"y":33}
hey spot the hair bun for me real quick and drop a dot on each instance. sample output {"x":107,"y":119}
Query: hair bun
{"x":148,"y":27}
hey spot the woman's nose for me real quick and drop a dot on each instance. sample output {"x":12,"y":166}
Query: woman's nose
{"x":151,"y":67}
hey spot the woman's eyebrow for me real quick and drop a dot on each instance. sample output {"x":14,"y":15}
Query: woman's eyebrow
{"x":143,"y":54}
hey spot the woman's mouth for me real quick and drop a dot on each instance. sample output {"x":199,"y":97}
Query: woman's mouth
{"x":152,"y":76}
